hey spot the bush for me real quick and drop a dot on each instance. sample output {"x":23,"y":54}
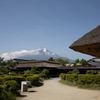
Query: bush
{"x":72,"y":77}
{"x":70,"y":72}
{"x":25,"y":75}
{"x":1,"y":80}
{"x":63,"y":76}
{"x":34,"y":79}
{"x":46,"y":72}
{"x":43,"y":76}
{"x":13,"y":74}
{"x":89,"y":79}
{"x":90,"y":72}
{"x":11,"y":85}
{"x":7,"y":95}
{"x":34,"y":70}
{"x":27,"y":72}
{"x":16,"y":78}
{"x":1,"y":89}
{"x":82,"y":79}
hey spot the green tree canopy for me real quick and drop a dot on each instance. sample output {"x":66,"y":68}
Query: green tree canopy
{"x":83,"y":62}
{"x":33,"y":59}
{"x":62,"y":61}
{"x":1,"y":59}
{"x":34,"y":70}
{"x":77,"y":61}
{"x":7,"y":69}
{"x":51,"y":59}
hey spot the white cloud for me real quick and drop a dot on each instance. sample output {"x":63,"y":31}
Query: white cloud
{"x":16,"y":54}
{"x":8,"y":56}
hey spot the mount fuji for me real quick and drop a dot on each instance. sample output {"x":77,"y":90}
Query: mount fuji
{"x":39,"y":54}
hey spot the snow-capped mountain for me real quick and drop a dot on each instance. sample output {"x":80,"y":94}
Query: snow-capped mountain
{"x":39,"y":54}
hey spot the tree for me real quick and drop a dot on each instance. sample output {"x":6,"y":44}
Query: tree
{"x":3,"y":63}
{"x":77,"y":61}
{"x":7,"y":69}
{"x":34,"y":70}
{"x":1,"y":59}
{"x":83,"y":62}
{"x":75,"y":71}
{"x":2,"y":70}
{"x":90,"y":72}
{"x":62,"y":61}
{"x":51,"y":59}
{"x":33,"y":59}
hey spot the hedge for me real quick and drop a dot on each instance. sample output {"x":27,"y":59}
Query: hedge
{"x":81,"y":79}
{"x":34,"y":79}
{"x":89,"y":79}
{"x":72,"y":77}
{"x":63,"y":76}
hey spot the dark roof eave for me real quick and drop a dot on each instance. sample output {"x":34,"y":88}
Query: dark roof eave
{"x":78,"y":68}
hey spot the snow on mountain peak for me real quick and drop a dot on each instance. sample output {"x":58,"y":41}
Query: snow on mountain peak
{"x":45,"y":51}
{"x":17,"y":54}
{"x":39,"y":54}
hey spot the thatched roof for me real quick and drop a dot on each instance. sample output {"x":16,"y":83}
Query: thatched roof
{"x":89,"y":43}
{"x":41,"y":63}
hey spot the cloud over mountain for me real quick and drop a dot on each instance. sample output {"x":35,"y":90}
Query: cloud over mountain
{"x":22,"y":53}
{"x":39,"y":54}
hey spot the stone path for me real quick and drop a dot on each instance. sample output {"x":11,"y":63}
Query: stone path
{"x":53,"y":90}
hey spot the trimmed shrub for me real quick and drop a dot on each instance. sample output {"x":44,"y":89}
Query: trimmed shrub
{"x":1,"y":80}
{"x":3,"y":94}
{"x":43,"y":76}
{"x":89,"y":79}
{"x":11,"y":85}
{"x":7,"y":95}
{"x":1,"y":89}
{"x":90,"y":72}
{"x":63,"y":76}
{"x":72,"y":77}
{"x":16,"y":78}
{"x":27,"y":72}
{"x":46,"y":72}
{"x":2,"y":75}
{"x":34,"y":79}
{"x":25,"y":75}
{"x":70,"y":72}
{"x":13,"y":74}
{"x":82,"y":79}
{"x":35,"y":70}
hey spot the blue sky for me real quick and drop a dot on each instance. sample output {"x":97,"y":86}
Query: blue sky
{"x":51,"y":24}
